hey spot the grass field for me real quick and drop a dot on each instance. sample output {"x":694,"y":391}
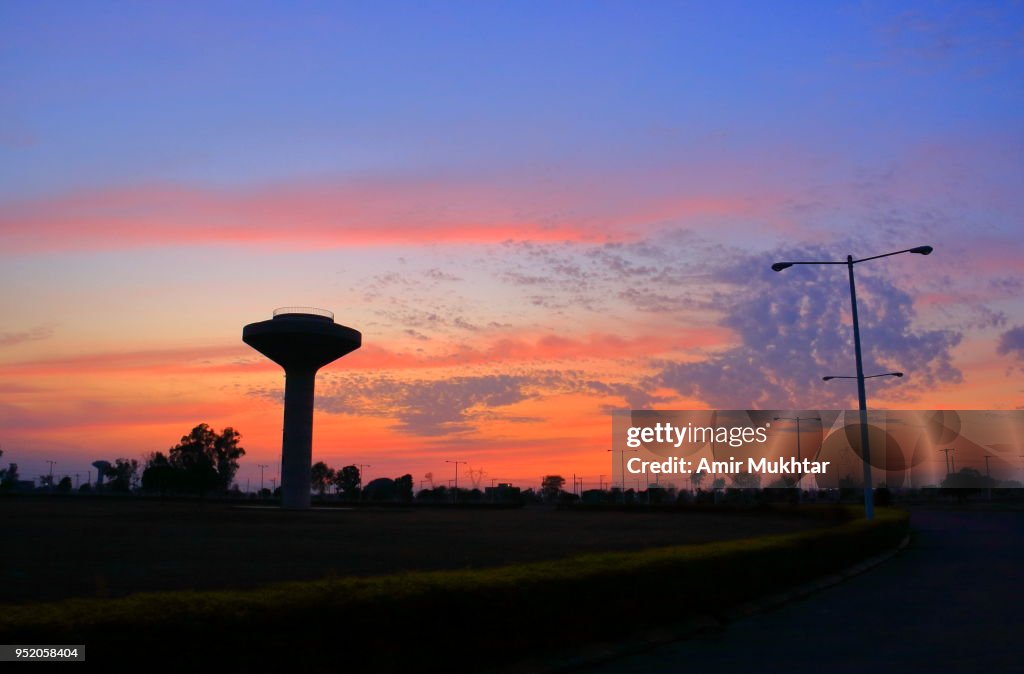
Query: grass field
{"x":60,"y":548}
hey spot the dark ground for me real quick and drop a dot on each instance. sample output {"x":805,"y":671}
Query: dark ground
{"x":56,"y":548}
{"x":952,"y":602}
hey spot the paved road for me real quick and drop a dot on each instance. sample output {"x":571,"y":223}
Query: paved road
{"x":952,"y":602}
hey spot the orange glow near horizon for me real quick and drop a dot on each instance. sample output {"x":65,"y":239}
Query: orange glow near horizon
{"x":506,"y":350}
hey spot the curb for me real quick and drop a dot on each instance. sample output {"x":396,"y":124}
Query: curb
{"x":595,"y":654}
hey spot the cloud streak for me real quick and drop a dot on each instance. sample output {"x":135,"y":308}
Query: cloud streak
{"x":350,"y":213}
{"x":33,"y":335}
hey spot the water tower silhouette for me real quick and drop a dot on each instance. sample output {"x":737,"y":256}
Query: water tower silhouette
{"x":301,"y":340}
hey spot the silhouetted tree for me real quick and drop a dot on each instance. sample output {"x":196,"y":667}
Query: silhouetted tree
{"x":746,"y":480}
{"x":321,"y":476}
{"x":403,"y":488}
{"x":550,"y":486}
{"x":64,"y":485}
{"x":697,"y":478}
{"x":207,"y":460}
{"x":966,"y":478}
{"x":348,"y":480}
{"x":381,"y":489}
{"x":121,"y":474}
{"x":159,"y":475}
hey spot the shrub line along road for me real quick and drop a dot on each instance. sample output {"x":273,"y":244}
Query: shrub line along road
{"x":952,"y":602}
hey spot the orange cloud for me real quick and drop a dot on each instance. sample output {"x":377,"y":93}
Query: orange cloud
{"x":231,"y":359}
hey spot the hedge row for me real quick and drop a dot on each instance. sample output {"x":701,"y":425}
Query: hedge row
{"x":404,"y":620}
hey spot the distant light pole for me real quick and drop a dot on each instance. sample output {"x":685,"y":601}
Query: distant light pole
{"x":261,"y":466}
{"x":869,"y":495}
{"x":867,"y":469}
{"x":799,"y":491}
{"x":456,"y":494}
{"x":622,"y":468}
{"x":600,"y":481}
{"x":52,"y":464}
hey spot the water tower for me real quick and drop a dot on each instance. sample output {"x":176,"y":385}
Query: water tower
{"x":301,"y":340}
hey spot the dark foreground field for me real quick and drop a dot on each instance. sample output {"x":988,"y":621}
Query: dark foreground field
{"x":57,"y":548}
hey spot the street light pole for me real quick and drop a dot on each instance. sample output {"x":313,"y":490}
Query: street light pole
{"x":456,"y":495}
{"x":862,"y":401}
{"x":622,"y":469}
{"x":799,"y":491}
{"x":261,"y":467}
{"x":869,"y":494}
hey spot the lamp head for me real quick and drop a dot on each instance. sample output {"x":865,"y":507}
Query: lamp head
{"x":827,"y":378}
{"x":897,"y":374}
{"x":922,"y":250}
{"x":779,"y":266}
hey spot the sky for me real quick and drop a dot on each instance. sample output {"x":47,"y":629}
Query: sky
{"x":535,"y":213}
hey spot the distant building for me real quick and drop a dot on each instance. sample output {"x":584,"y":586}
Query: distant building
{"x":502,"y":493}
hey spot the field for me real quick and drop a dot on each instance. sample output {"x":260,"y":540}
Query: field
{"x":59,"y":548}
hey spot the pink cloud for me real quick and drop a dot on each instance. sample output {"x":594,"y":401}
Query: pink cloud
{"x":349,"y":214}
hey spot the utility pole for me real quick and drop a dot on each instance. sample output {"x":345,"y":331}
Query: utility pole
{"x":261,"y":467}
{"x":456,"y":494}
{"x":988,"y":476}
{"x":52,"y":464}
{"x":362,"y":482}
{"x":946,"y":452}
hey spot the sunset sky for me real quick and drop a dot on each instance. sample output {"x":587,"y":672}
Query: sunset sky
{"x":534,"y":212}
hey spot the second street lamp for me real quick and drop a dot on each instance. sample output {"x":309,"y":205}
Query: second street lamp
{"x":456,"y":499}
{"x":799,"y":489}
{"x":622,"y":469}
{"x":869,"y":495}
